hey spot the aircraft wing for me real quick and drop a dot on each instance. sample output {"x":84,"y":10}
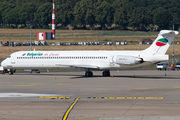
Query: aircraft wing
{"x":79,"y":66}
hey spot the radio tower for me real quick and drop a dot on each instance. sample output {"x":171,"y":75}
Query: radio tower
{"x":53,"y":21}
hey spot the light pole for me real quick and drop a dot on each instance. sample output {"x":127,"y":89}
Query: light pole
{"x":30,"y":34}
{"x":173,"y":47}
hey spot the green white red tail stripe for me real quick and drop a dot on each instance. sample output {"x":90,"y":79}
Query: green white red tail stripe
{"x":161,"y":42}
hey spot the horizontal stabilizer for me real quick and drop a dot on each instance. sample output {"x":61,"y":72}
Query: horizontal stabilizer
{"x":168,"y":32}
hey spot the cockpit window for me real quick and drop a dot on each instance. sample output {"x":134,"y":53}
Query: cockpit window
{"x":9,"y":57}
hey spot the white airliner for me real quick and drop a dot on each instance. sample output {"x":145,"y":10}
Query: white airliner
{"x":92,"y":60}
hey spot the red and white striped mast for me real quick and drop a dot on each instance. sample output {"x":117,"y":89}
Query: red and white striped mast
{"x":53,"y":21}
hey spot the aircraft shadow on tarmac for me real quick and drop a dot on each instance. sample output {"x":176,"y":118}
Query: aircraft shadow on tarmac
{"x":140,"y":77}
{"x":75,"y":76}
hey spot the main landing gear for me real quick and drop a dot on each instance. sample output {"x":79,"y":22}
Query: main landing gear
{"x":88,"y":74}
{"x":106,"y":73}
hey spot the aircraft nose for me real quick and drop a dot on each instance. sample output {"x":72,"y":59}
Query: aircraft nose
{"x":3,"y":64}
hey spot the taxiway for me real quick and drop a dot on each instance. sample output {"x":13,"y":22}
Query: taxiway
{"x":131,"y":94}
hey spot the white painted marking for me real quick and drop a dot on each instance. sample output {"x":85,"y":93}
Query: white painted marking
{"x":25,"y":95}
{"x":141,"y":118}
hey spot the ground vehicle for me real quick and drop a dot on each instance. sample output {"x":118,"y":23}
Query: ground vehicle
{"x":31,"y":70}
{"x":162,"y":66}
{"x":5,"y":43}
{"x":178,"y":65}
{"x":1,"y":70}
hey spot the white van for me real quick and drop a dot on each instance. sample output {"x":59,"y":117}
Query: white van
{"x":162,"y":66}
{"x":1,"y":70}
{"x":178,"y":65}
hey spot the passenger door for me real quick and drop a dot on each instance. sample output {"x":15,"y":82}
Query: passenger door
{"x":111,"y":61}
{"x":13,"y":59}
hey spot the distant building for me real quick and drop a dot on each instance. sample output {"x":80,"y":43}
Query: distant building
{"x":146,"y":41}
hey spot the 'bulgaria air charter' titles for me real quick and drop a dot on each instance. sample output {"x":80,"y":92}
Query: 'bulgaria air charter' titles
{"x":39,"y":54}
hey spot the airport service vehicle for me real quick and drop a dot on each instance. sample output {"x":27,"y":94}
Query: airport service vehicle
{"x":1,"y":70}
{"x":178,"y":65}
{"x":5,"y":43}
{"x":162,"y":66}
{"x":92,"y":60}
{"x":31,"y":70}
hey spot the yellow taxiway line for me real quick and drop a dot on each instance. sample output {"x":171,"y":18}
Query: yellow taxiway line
{"x":70,"y":108}
{"x":55,"y":97}
{"x":129,"y":98}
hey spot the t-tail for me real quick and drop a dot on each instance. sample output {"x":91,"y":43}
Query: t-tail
{"x":162,"y":42}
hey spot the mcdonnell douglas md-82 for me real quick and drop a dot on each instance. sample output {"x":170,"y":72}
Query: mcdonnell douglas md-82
{"x":92,"y":60}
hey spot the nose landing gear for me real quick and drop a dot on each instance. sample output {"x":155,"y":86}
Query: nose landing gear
{"x":11,"y":73}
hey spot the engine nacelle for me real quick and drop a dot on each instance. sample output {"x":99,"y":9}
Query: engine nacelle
{"x":127,"y":60}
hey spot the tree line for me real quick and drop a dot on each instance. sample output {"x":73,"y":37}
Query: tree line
{"x":142,"y":15}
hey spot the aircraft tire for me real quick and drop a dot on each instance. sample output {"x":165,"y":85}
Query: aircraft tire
{"x":88,"y":74}
{"x":106,"y":73}
{"x":91,"y":74}
{"x":10,"y":73}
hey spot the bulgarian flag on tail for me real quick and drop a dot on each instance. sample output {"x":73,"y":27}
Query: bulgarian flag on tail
{"x":162,"y":42}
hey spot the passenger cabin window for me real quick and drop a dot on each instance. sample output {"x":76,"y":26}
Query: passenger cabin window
{"x":78,"y":57}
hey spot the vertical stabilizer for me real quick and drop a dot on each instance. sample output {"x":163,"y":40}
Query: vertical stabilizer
{"x":162,"y":42}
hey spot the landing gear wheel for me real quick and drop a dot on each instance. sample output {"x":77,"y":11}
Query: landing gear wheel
{"x":91,"y":74}
{"x":88,"y":74}
{"x":106,"y":73}
{"x":10,"y":73}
